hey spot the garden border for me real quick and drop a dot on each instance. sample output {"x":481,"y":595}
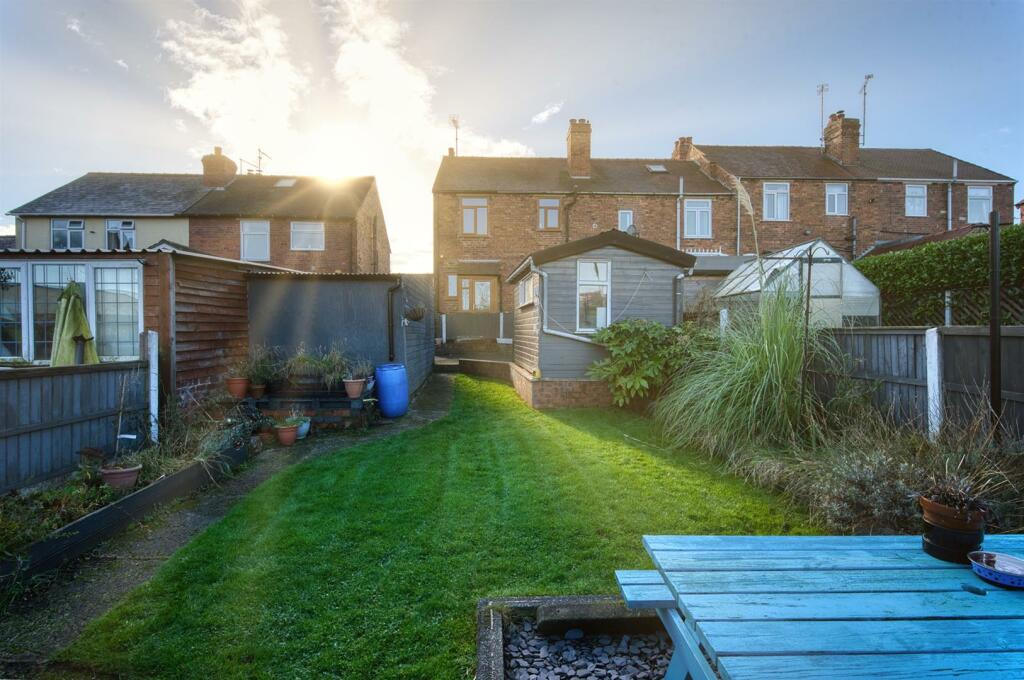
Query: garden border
{"x":85,"y":533}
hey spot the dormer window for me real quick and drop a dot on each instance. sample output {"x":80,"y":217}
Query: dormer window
{"x":285,"y":182}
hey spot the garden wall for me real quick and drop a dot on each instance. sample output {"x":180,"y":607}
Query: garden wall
{"x":48,"y":414}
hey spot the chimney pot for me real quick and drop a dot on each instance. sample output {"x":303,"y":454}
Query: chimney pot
{"x":577,"y":143}
{"x":451,"y":152}
{"x":683,"y":145}
{"x":218,"y":169}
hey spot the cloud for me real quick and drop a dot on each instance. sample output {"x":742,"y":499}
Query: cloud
{"x":373,"y":115}
{"x":544,"y":116}
{"x":180,"y":125}
{"x":75,"y":26}
{"x":122,"y":63}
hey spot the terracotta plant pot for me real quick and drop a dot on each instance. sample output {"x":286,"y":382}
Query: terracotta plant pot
{"x":951,"y":534}
{"x":946,"y":517}
{"x":121,"y":478}
{"x":354,"y":388}
{"x":237,"y":387}
{"x":257,"y":391}
{"x":286,"y":434}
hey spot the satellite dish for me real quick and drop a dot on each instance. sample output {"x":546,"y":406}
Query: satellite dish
{"x":633,"y":231}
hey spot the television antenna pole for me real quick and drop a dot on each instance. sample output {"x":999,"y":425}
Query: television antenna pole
{"x":822,"y":89}
{"x":257,"y":167}
{"x":454,"y":120}
{"x":864,"y":109}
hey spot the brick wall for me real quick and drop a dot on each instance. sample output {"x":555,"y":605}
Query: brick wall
{"x":221,"y":236}
{"x":542,"y":394}
{"x":512,"y":231}
{"x":373,"y":250}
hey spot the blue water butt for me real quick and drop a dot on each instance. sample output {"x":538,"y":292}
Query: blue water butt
{"x":392,"y":389}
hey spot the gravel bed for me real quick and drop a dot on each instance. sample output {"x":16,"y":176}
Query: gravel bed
{"x":529,"y":655}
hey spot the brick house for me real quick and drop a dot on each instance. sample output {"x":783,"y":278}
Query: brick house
{"x":297,"y":222}
{"x":490,"y":213}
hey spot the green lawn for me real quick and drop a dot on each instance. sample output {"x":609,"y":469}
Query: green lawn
{"x":369,"y":562}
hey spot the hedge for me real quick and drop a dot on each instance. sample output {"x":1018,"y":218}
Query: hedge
{"x":946,"y":265}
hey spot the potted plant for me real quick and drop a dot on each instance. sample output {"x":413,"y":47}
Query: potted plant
{"x":265,"y":427}
{"x":237,"y":379}
{"x":287,"y":430}
{"x":955,"y":513}
{"x":334,"y":367}
{"x":303,"y":369}
{"x":303,"y":420}
{"x":121,"y":475}
{"x":262,"y":368}
{"x":355,"y":377}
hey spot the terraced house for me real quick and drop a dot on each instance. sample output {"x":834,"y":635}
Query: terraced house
{"x":490,"y":213}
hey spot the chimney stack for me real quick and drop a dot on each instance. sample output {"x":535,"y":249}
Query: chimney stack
{"x":451,"y":152}
{"x":842,"y":138}
{"x":218,"y":169}
{"x":681,"y":152}
{"x":578,"y":148}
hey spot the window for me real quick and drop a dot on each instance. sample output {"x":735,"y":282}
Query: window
{"x":256,"y":240}
{"x":836,"y":199}
{"x":776,"y":201}
{"x":48,"y":281}
{"x":453,"y":285}
{"x":548,"y":213}
{"x":474,"y":216}
{"x":697,"y":220}
{"x":10,"y":312}
{"x":592,"y":295}
{"x":307,"y":235}
{"x":625,"y":220}
{"x":285,"y":182}
{"x":120,"y":234}
{"x":979,"y":204}
{"x":525,"y":292}
{"x":66,"y":234}
{"x":917,"y":200}
{"x":117,"y":311}
{"x":476,"y":294}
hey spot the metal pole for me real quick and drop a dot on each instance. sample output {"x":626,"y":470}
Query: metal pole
{"x":807,"y":324}
{"x":995,"y":340}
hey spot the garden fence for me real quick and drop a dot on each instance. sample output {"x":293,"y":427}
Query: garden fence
{"x":924,"y":376}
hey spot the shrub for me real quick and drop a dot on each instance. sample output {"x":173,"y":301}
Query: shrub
{"x":642,"y":355}
{"x":748,"y":390}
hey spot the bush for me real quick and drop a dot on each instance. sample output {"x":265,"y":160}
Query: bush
{"x":643,"y":355}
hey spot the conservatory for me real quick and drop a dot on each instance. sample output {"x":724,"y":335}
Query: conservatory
{"x":840,"y":295}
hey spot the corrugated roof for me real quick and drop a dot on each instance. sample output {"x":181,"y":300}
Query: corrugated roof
{"x":809,"y":162}
{"x":260,"y":196}
{"x":551,"y":175}
{"x":914,"y":241}
{"x":119,"y":193}
{"x":348,"y":276}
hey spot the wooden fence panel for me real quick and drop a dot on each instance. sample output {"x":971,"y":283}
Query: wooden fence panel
{"x":49,"y":414}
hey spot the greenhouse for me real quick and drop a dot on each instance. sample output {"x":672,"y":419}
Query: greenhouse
{"x":840,"y":295}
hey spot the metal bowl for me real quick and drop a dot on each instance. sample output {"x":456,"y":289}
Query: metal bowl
{"x":998,"y":568}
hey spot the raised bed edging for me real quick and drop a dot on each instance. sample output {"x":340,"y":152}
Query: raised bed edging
{"x":574,"y":611}
{"x":85,"y":533}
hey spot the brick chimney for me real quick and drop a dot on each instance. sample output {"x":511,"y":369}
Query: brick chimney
{"x":218,"y":169}
{"x":842,"y":138}
{"x":578,"y":147}
{"x":681,"y":152}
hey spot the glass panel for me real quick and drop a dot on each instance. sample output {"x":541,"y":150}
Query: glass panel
{"x":465,"y":298}
{"x":117,"y":310}
{"x":468,"y":220}
{"x":842,"y":204}
{"x":596,"y":272}
{"x":625,"y":219}
{"x":782,"y":211}
{"x":593,"y":302}
{"x":307,"y":236}
{"x":10,"y":312}
{"x":75,"y":238}
{"x":59,"y":239}
{"x":48,"y":281}
{"x":481,"y":220}
{"x":482,"y":295}
{"x":769,"y":206}
{"x":474,"y":201}
{"x":705,"y":223}
{"x":452,"y":285}
{"x":552,"y":218}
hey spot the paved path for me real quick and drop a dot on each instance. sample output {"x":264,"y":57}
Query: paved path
{"x":53,"y":617}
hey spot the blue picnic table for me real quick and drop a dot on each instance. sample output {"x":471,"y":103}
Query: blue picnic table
{"x":740,"y":607}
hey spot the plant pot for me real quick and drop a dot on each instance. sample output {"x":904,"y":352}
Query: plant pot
{"x":286,"y":434}
{"x":304,"y":429}
{"x":121,"y":478}
{"x":951,"y":534}
{"x":354,"y":388}
{"x":237,"y":387}
{"x":267,"y":437}
{"x":257,"y":391}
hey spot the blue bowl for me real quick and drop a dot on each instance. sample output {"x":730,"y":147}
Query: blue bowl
{"x":998,"y":568}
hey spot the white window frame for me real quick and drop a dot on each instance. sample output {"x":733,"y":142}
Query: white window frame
{"x":453,"y":286}
{"x":608,"y":294}
{"x":837,"y":189}
{"x":89,"y":288}
{"x":988,"y":197}
{"x":618,"y":225}
{"x":526,"y":292}
{"x":545,"y":208}
{"x":116,"y":226}
{"x":766,"y":192}
{"x":698,"y":206}
{"x":67,"y":229}
{"x":315,"y":228}
{"x":245,"y":228}
{"x":923,"y":198}
{"x":477,"y":206}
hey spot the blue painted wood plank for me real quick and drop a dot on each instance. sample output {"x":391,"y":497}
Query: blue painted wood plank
{"x":757,"y":638}
{"x":639,"y":577}
{"x":1006,"y":542}
{"x":982,"y":666}
{"x":672,"y":560}
{"x":687,"y":660}
{"x":852,"y":606}
{"x":647,"y":596}
{"x":854,"y":581}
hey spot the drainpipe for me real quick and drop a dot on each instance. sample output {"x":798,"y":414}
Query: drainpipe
{"x":739,"y":217}
{"x":391,"y":318}
{"x":679,"y":202}
{"x":677,"y":285}
{"x":544,"y":310}
{"x":569,"y":204}
{"x":947,"y":298}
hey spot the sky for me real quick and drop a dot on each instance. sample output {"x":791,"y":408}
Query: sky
{"x":362,"y":87}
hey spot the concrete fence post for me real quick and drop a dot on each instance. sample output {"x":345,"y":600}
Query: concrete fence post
{"x":444,"y":328}
{"x":153,"y":368}
{"x":501,"y":325}
{"x":723,"y":319}
{"x":933,"y":372}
